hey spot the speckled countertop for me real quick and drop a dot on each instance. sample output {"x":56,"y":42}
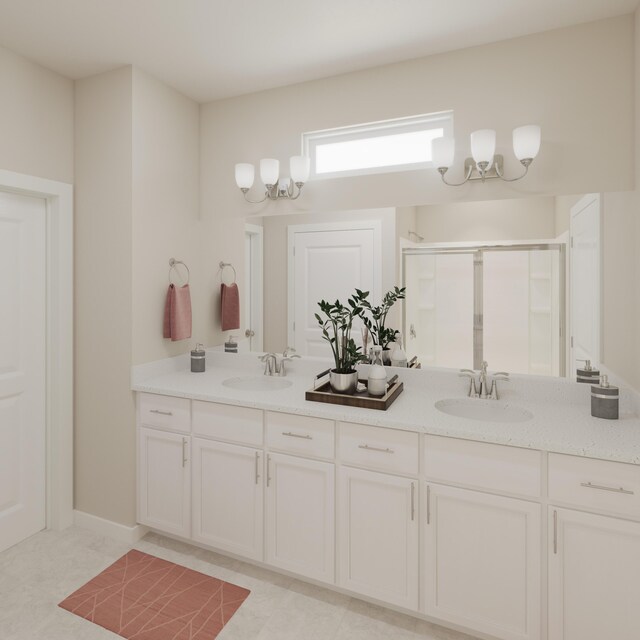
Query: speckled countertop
{"x":561,"y":423}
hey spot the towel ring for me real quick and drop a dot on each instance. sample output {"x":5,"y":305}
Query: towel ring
{"x":228,"y":264}
{"x":173,"y":266}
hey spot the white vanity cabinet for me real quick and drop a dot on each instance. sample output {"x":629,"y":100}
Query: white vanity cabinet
{"x":300,"y":516}
{"x":594,"y":560}
{"x":378,"y":536}
{"x":594,"y":577}
{"x":481,"y":560}
{"x":228,"y":497}
{"x":164,"y":481}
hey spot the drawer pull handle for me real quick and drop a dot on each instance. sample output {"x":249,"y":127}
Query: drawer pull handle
{"x":162,"y":413}
{"x":555,"y":532}
{"x":296,"y":435}
{"x":601,"y":487}
{"x":184,"y":452}
{"x":428,"y":504}
{"x":368,"y":448}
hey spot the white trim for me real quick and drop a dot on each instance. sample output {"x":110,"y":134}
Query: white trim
{"x":59,"y":336}
{"x":577,"y":208}
{"x":374,"y":225}
{"x":424,"y":122}
{"x":256,"y":321}
{"x":120,"y":532}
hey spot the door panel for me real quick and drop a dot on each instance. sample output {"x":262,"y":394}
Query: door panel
{"x":482,"y":562}
{"x":22,"y":368}
{"x":228,"y":497}
{"x":300,"y":516}
{"x":594,"y":588}
{"x":378,"y":536}
{"x":329,"y":265}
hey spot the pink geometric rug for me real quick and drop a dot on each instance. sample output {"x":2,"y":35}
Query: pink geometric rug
{"x":142,"y":597}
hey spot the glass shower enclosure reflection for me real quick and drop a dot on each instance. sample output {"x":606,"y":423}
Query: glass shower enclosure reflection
{"x":501,"y":303}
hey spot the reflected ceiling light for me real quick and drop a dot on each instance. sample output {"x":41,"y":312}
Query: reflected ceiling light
{"x":275,"y":187}
{"x":484,"y":163}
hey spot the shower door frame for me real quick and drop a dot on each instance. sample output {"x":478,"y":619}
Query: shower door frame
{"x":478,"y":250}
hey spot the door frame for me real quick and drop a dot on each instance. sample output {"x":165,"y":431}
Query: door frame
{"x":255,"y":275}
{"x":575,"y":210}
{"x":374,"y":225}
{"x":58,"y":197}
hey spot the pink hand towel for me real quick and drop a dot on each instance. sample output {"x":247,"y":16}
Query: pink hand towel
{"x":229,"y":306}
{"x":177,"y":313}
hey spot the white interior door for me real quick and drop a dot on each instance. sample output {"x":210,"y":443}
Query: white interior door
{"x":22,"y":367}
{"x":327,"y":262}
{"x":585,"y":280}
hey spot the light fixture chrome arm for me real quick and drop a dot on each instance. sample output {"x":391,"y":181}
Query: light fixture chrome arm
{"x":525,"y":163}
{"x":443,"y":170}
{"x":275,"y":192}
{"x":244,"y":193}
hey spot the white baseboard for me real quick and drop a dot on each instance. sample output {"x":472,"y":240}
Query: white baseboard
{"x":120,"y":532}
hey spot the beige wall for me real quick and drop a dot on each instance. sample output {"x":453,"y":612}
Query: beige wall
{"x":36,"y":119}
{"x":576,"y":82}
{"x":522,"y":219}
{"x":104,"y":405}
{"x":166,"y":220}
{"x":276,"y":261}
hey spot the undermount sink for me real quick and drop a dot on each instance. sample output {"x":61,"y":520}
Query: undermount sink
{"x":484,"y":410}
{"x":257,"y":383}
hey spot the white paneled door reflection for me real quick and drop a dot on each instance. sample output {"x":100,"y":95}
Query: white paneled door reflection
{"x":329,"y":262}
{"x":22,"y":368}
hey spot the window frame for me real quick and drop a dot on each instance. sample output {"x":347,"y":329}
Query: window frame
{"x":312,"y":139}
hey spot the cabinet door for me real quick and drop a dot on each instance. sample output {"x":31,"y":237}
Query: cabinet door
{"x":594,"y":577}
{"x":228,"y":497}
{"x":378,"y":536}
{"x":300,"y":516}
{"x":482,"y":557}
{"x":164,"y":481}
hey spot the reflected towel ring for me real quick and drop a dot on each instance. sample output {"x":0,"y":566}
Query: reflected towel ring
{"x":228,"y":264}
{"x":173,"y":266}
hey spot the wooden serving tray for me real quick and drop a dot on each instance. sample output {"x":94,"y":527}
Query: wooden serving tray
{"x":360,"y":399}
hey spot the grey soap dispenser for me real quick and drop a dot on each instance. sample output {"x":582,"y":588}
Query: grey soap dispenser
{"x":605,"y":400}
{"x":198,"y":359}
{"x":587,"y":374}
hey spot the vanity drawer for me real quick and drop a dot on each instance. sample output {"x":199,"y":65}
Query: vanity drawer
{"x":240,"y":425}
{"x":595,"y":484}
{"x":379,"y":448}
{"x":483,"y":465}
{"x":165,"y":412}
{"x":300,"y":434}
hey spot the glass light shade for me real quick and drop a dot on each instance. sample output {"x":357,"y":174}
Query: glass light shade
{"x":442,"y":152}
{"x":483,"y":145}
{"x":299,"y":167}
{"x":526,"y":141}
{"x":245,"y":174}
{"x":269,"y":170}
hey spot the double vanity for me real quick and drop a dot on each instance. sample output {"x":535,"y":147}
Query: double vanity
{"x":516,"y":518}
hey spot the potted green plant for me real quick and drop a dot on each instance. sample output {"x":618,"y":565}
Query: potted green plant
{"x":375,"y":319}
{"x":336,"y":323}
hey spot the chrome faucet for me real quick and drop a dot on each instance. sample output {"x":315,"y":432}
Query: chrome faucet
{"x":273,"y":367}
{"x":482,"y":388}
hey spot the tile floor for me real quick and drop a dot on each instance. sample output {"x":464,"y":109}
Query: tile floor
{"x":38,"y":573}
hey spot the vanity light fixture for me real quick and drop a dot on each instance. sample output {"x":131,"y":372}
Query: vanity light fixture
{"x":275,"y":187}
{"x":485,"y":164}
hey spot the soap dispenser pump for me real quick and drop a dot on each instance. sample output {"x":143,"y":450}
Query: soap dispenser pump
{"x":587,"y":374}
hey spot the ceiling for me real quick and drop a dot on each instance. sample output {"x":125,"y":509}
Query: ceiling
{"x":212,"y":49}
